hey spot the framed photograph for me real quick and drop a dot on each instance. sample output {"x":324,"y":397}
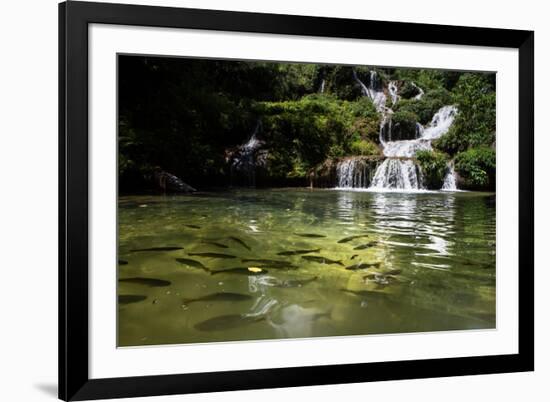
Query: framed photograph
{"x":256,"y":201}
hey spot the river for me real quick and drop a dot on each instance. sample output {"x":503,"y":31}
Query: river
{"x":419,"y":261}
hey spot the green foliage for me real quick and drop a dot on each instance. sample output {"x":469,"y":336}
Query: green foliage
{"x":404,"y":117}
{"x":428,"y":79}
{"x":187,"y":115}
{"x":307,"y":128}
{"x":365,"y":122}
{"x":364,"y":148}
{"x":427,"y":106}
{"x":318,"y":126}
{"x":363,"y":108}
{"x":475,"y":124}
{"x":477,"y":167}
{"x":403,"y":125}
{"x":297,"y":80}
{"x":341,"y":84}
{"x":434,"y":167}
{"x":408,"y":90}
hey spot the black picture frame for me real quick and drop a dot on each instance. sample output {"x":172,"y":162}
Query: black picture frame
{"x":74,"y":381}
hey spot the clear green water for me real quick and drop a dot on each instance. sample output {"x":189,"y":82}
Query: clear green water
{"x":432,"y":259}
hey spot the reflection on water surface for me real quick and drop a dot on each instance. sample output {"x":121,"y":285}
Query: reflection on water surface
{"x":250,"y":269}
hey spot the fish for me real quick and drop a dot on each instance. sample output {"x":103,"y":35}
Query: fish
{"x":151,"y":282}
{"x":298,"y":252}
{"x":212,"y":255}
{"x":295,"y":283}
{"x":122,"y":262}
{"x":393,"y":272}
{"x":362,"y":265}
{"x":192,"y":263}
{"x":192,"y":226}
{"x":239,"y":241}
{"x":353,"y":256}
{"x":361,"y":293}
{"x":219,"y":296}
{"x":127,"y":299}
{"x":269,"y":263}
{"x":350,"y":238}
{"x":366,"y":245}
{"x":216,"y":244}
{"x":157,"y":249}
{"x":229,"y":321}
{"x":321,"y":260}
{"x":310,"y":235}
{"x":285,"y":267}
{"x":241,"y":270}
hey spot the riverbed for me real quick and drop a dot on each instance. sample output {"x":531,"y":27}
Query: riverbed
{"x":249,"y":264}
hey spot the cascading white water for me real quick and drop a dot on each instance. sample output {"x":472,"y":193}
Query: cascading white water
{"x":392,"y":89}
{"x":441,"y":122}
{"x":398,"y":171}
{"x":252,"y":144}
{"x":449,"y":183}
{"x":352,"y":173}
{"x":246,"y":157}
{"x":419,"y":130}
{"x":420,"y":91}
{"x":374,"y":90}
{"x":397,"y":174}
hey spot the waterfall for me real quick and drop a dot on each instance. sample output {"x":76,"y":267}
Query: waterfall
{"x":419,"y":130}
{"x":252,"y":144}
{"x":352,"y":173}
{"x":397,"y":174}
{"x":322,"y":86}
{"x":392,"y":89}
{"x":449,"y":183}
{"x":420,"y":91}
{"x":399,"y":171}
{"x":374,"y":90}
{"x":246,"y":157}
{"x":441,"y":122}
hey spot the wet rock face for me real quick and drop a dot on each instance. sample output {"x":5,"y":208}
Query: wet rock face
{"x":168,"y":182}
{"x":324,"y":175}
{"x":355,"y":172}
